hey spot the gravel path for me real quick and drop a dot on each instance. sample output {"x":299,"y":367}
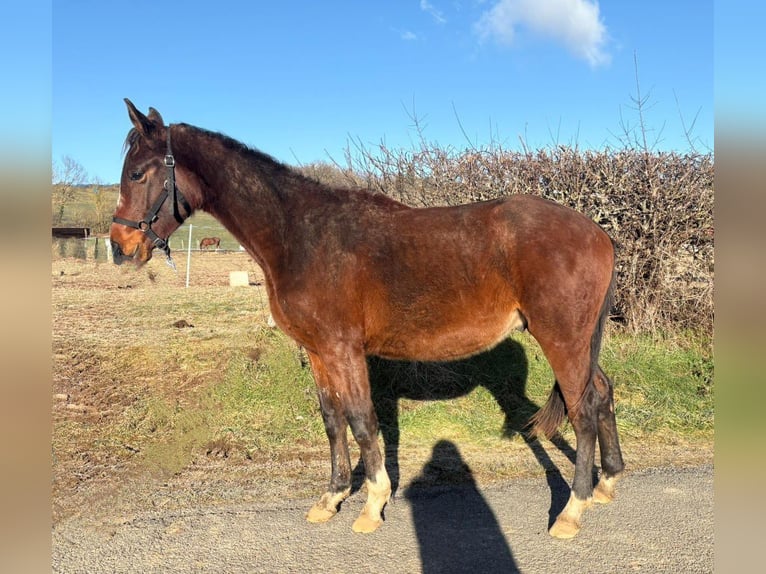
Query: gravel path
{"x":661,"y":521}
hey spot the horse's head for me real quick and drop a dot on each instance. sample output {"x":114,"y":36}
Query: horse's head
{"x":150,"y":206}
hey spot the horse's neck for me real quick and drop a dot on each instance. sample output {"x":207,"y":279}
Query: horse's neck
{"x":249,"y":193}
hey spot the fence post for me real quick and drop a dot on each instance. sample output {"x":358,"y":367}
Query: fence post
{"x":188,"y":256}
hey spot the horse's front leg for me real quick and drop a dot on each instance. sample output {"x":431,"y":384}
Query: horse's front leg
{"x":347,"y":387}
{"x":335,"y":424}
{"x":364,"y":426}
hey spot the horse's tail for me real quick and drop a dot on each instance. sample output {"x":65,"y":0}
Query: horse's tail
{"x":548,"y":419}
{"x":598,"y":332}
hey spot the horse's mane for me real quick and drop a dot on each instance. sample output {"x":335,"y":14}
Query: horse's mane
{"x":230,"y":144}
{"x":252,"y":155}
{"x":264,"y":161}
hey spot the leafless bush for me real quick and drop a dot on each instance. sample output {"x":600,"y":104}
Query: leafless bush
{"x":66,"y":177}
{"x":658,"y":208}
{"x":332,"y":175}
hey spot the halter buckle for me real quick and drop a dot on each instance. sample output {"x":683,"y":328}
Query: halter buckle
{"x":170,"y":161}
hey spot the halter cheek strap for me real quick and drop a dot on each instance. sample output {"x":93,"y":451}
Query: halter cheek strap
{"x":145,"y":225}
{"x":170,"y":185}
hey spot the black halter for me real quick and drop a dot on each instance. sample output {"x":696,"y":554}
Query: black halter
{"x":168,"y":187}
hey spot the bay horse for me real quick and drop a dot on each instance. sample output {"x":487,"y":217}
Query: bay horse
{"x":351,"y":273}
{"x":210,"y":242}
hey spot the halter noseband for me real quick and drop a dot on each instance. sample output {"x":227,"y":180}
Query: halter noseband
{"x":168,"y":187}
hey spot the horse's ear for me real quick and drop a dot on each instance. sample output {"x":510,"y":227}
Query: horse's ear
{"x":146,"y":126}
{"x":155,"y":116}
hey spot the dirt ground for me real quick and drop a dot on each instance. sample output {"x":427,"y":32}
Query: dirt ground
{"x":99,"y":309}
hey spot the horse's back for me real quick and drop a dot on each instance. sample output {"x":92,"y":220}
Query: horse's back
{"x":446,"y":282}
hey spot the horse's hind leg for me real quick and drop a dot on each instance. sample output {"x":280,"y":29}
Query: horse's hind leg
{"x":608,"y":441}
{"x":584,"y":421}
{"x":571,"y":367}
{"x":591,"y":415}
{"x":335,"y":425}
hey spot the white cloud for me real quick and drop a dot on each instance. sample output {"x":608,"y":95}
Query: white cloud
{"x":437,"y":14}
{"x":408,"y":35}
{"x":575,"y":23}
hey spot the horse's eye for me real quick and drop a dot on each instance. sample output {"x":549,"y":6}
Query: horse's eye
{"x":136,"y":175}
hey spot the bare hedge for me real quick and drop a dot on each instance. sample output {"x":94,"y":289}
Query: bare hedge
{"x":657,"y":207}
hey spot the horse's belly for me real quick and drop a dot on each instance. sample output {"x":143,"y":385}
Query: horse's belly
{"x":455,"y":340}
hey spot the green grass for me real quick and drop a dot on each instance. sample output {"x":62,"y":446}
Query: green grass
{"x":254,"y":400}
{"x":661,"y":384}
{"x":269,"y":403}
{"x":265,"y":403}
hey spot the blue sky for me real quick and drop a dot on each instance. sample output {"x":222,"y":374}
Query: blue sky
{"x":298,"y":79}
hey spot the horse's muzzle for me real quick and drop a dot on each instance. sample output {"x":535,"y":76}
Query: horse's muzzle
{"x":117,"y":255}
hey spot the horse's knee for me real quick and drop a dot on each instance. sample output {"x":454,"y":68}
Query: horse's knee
{"x":364,"y":427}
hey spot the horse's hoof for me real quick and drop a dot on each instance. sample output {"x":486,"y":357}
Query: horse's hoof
{"x":603,"y":493}
{"x":319,"y":514}
{"x":365,"y":524}
{"x":327,"y":507}
{"x":564,"y":528}
{"x":602,"y":496}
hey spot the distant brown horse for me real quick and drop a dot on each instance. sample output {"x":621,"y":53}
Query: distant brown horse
{"x":351,"y":273}
{"x":210,"y":242}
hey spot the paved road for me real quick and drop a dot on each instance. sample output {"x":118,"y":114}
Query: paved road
{"x":662,"y":521}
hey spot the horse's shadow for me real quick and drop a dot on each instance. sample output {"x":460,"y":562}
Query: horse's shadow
{"x":502,"y":371}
